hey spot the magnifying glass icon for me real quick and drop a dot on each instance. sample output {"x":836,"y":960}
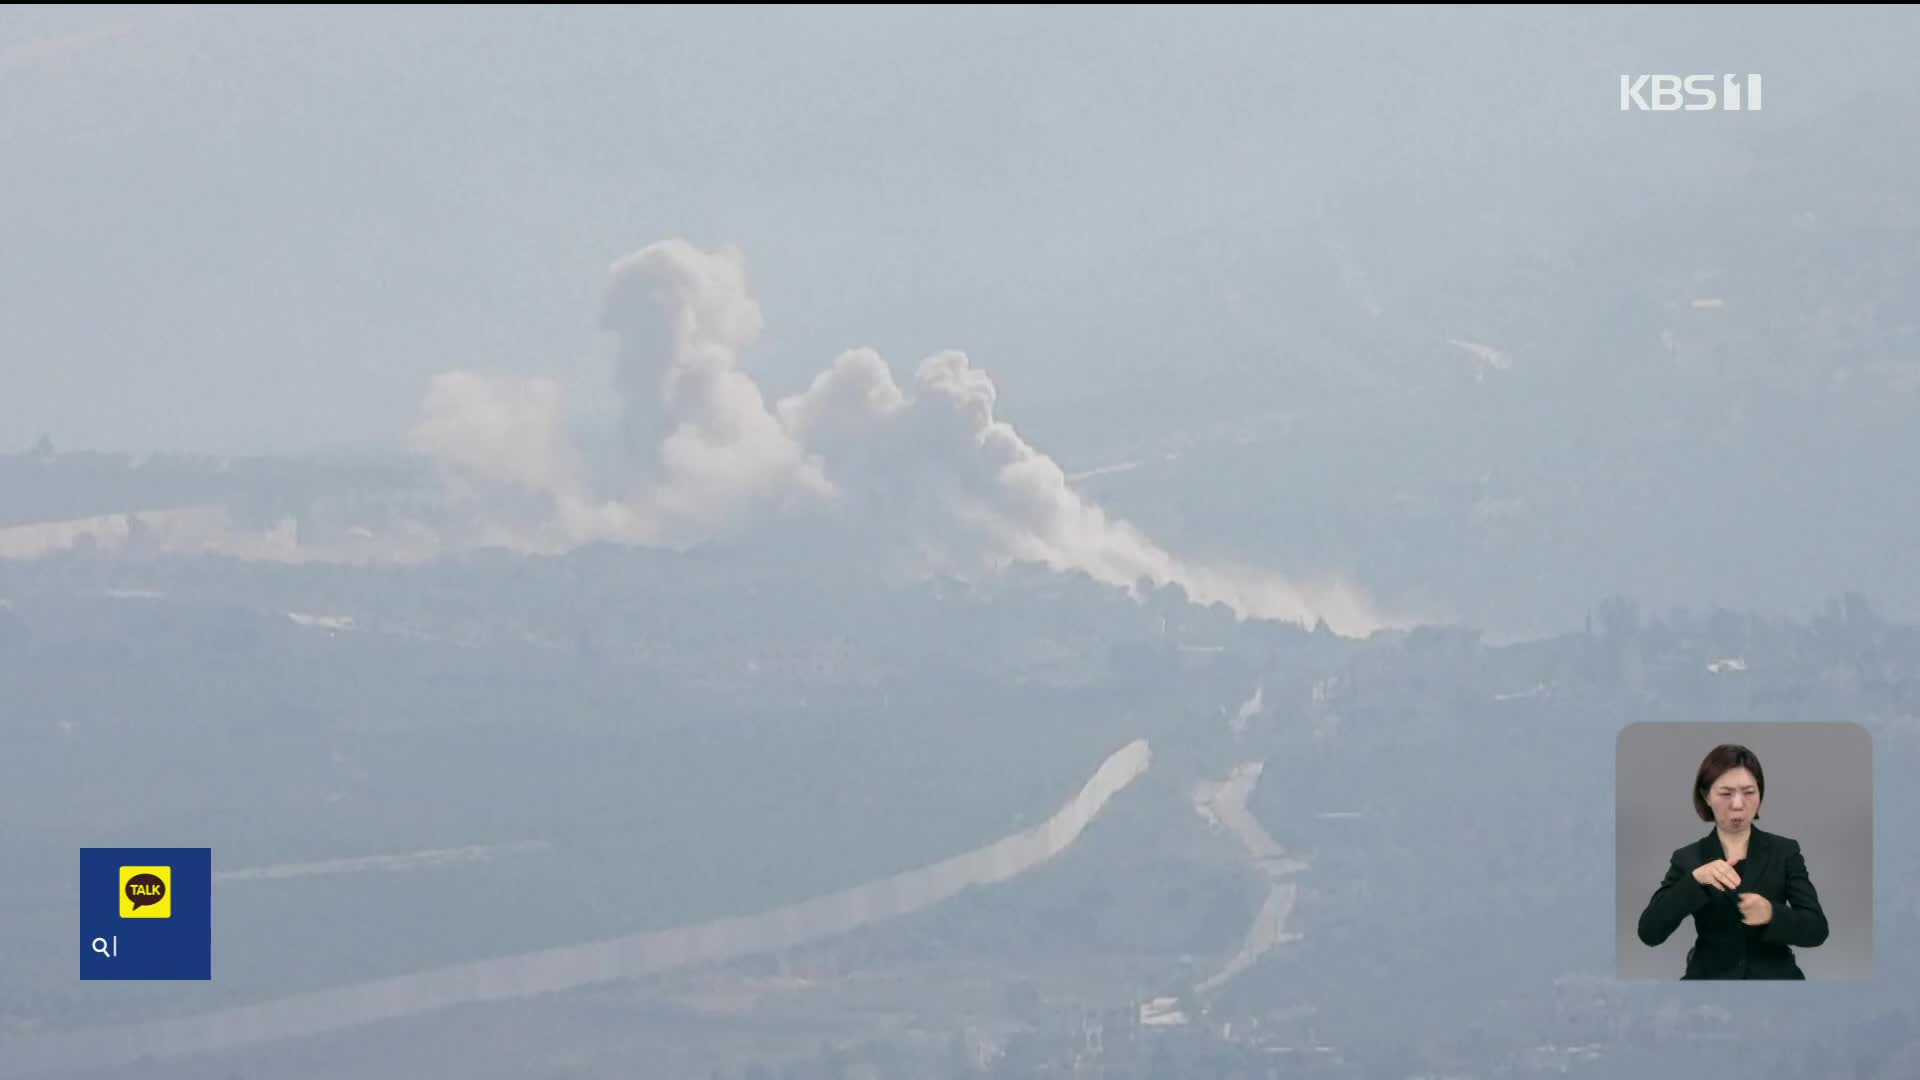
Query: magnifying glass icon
{"x":100,"y":946}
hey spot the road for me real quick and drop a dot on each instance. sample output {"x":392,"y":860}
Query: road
{"x":549,"y":971}
{"x":1225,"y":803}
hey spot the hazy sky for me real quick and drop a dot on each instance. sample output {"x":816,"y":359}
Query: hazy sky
{"x":265,"y":230}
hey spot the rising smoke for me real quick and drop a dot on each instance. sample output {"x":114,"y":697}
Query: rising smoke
{"x":932,"y":472}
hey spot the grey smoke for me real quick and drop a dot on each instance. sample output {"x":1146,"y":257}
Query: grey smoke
{"x":934,"y":472}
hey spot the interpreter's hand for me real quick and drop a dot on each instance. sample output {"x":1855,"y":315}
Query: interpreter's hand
{"x":1755,"y":910}
{"x":1718,"y":874}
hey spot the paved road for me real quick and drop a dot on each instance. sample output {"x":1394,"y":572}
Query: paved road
{"x":551,"y":970}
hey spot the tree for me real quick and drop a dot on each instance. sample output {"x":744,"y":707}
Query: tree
{"x":886,"y":1059}
{"x":1633,"y":669}
{"x":1163,"y":1066}
{"x":959,"y":1057}
{"x":1139,"y":663}
{"x":833,"y":1062}
{"x":1902,"y":1063}
{"x":1619,"y":618}
{"x":1857,"y":613}
{"x":14,"y":631}
{"x":1023,"y":1001}
{"x":1818,"y":1062}
{"x":1022,"y":1059}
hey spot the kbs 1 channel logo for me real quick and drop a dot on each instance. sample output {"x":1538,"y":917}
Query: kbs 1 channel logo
{"x":146,"y":913}
{"x":1689,"y":93}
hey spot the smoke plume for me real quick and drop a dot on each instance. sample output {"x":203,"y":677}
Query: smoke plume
{"x":929,"y":470}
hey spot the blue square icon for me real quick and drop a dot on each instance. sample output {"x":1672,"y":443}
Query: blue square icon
{"x":146,"y":913}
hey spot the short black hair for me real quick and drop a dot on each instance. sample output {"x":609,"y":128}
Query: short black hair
{"x":1720,"y":761}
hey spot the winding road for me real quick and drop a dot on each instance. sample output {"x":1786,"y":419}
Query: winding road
{"x":1225,"y":803}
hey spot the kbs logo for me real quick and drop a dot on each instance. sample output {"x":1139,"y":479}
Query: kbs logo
{"x":1689,"y":93}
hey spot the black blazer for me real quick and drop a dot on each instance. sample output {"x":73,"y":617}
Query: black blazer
{"x":1725,"y":947}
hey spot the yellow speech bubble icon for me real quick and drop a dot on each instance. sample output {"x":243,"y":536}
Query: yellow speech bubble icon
{"x":146,"y":892}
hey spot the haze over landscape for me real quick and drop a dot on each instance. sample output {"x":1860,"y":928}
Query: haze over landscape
{"x":1024,"y":542}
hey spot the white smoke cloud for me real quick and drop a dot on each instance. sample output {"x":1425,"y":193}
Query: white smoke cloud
{"x":933,"y":471}
{"x":509,"y":430}
{"x":503,"y":443}
{"x":707,"y":449}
